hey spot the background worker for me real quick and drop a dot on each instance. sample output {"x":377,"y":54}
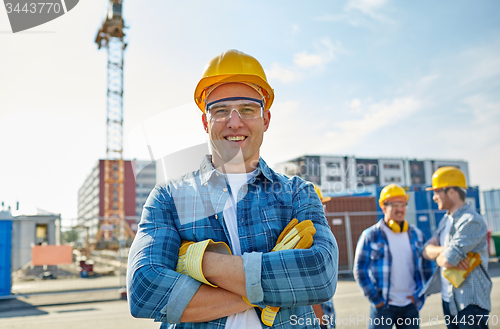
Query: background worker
{"x":178,"y":272}
{"x":389,"y":266}
{"x":461,"y":231}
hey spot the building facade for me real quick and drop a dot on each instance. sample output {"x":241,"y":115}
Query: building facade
{"x":337,"y":174}
{"x":139,"y":180}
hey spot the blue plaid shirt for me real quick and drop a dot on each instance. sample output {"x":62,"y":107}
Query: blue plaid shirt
{"x":373,"y":260}
{"x":181,"y":210}
{"x":468,"y":233}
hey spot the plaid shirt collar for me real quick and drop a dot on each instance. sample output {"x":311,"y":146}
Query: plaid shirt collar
{"x":207,"y":170}
{"x":457,"y":214}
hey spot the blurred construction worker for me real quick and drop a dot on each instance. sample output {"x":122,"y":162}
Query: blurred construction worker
{"x":461,"y":231}
{"x":324,"y":312}
{"x":389,"y":266}
{"x":233,"y":244}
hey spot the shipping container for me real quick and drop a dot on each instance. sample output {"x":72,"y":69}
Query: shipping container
{"x":348,"y":217}
{"x":492,"y":210}
{"x":5,"y":252}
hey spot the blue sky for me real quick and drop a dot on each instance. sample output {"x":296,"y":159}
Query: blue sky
{"x":369,"y":78}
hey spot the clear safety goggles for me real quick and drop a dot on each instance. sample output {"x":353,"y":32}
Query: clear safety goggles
{"x":222,"y":109}
{"x":397,"y":205}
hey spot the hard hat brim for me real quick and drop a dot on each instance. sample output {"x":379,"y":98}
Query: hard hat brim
{"x":326,"y":199}
{"x":227,"y":78}
{"x":406,"y":196}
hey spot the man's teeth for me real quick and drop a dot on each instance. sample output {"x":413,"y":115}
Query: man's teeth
{"x":236,"y":138}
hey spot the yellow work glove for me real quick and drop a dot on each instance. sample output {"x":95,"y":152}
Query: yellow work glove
{"x":295,"y":236}
{"x":191,"y":256}
{"x":456,"y":276}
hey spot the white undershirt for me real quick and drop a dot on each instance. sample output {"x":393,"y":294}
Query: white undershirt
{"x":402,"y":268}
{"x":443,"y":241}
{"x":249,"y":318}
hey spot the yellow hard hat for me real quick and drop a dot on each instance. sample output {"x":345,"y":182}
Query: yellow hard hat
{"x":323,"y":199}
{"x":391,"y":191}
{"x":233,"y":66}
{"x":447,"y":177}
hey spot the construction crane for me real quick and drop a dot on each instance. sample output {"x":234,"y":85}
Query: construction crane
{"x":111,"y":36}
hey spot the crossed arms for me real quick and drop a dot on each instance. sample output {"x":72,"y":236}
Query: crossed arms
{"x":286,"y":278}
{"x":469,"y":234}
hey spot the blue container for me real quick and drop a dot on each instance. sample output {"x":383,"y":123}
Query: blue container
{"x":5,"y":256}
{"x":423,"y":212}
{"x":492,"y":210}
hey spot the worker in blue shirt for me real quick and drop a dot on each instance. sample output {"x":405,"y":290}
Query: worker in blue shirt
{"x":233,"y":244}
{"x":389,"y":266}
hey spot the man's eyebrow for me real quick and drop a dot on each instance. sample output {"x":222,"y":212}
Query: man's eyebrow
{"x":218,"y":105}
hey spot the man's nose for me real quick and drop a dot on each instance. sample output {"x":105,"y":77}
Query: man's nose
{"x":234,"y":119}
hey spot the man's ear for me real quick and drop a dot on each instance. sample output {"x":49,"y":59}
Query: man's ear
{"x":205,"y":122}
{"x":267,"y":118}
{"x":453,"y":194}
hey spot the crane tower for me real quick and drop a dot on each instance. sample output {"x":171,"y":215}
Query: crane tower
{"x":111,"y":36}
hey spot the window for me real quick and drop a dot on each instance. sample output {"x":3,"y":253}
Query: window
{"x":332,"y":164}
{"x":333,"y":178}
{"x":41,"y":234}
{"x":391,"y":166}
{"x":393,"y":179}
{"x":416,"y":180}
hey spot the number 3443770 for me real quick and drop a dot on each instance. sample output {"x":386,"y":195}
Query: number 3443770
{"x":33,"y":8}
{"x":471,"y":319}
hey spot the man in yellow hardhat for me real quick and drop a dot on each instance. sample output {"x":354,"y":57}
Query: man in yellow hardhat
{"x":389,"y":266}
{"x":460,"y":233}
{"x":233,"y":244}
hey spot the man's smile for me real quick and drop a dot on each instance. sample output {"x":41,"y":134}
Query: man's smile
{"x":235,"y":138}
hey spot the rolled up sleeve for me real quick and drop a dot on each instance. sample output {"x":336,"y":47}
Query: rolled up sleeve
{"x":469,"y":234}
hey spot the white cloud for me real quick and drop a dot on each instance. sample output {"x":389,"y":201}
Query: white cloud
{"x":481,"y":63}
{"x":305,"y":60}
{"x":487,"y":117}
{"x":428,"y":79}
{"x":350,"y":18}
{"x":367,"y":7}
{"x":326,"y":51}
{"x":355,"y":103}
{"x":377,"y":116}
{"x":295,"y":28}
{"x":354,"y":8}
{"x":283,"y":74}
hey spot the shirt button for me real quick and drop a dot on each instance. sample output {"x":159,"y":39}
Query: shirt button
{"x":216,"y":217}
{"x":217,"y":174}
{"x":224,"y":189}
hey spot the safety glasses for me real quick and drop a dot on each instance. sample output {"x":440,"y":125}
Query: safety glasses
{"x":397,"y":205}
{"x":222,"y":109}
